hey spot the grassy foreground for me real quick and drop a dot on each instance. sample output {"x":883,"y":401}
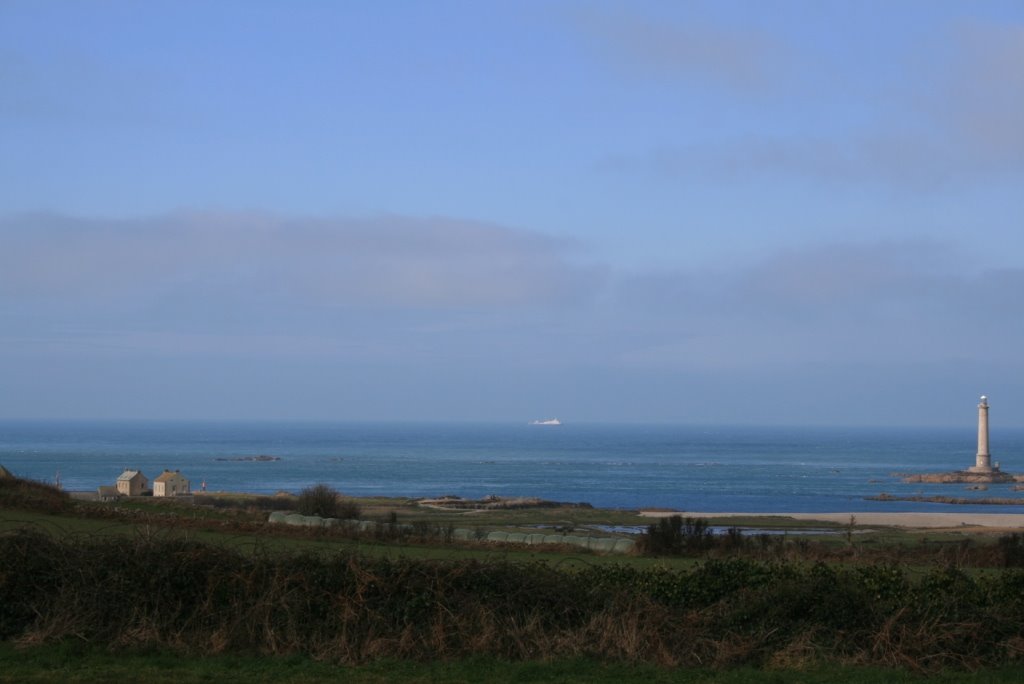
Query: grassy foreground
{"x":196,"y":599}
{"x":78,"y":664}
{"x":153,"y":591}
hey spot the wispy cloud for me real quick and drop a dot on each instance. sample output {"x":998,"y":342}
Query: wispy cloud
{"x":493,"y":315}
{"x":738,"y":59}
{"x":405,"y":288}
{"x":982,"y":98}
{"x":389,"y":261}
{"x":955,"y":120}
{"x":914,"y":162}
{"x":878,"y":303}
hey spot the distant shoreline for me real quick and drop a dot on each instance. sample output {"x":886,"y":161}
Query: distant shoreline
{"x":902,"y":519}
{"x":894,"y":519}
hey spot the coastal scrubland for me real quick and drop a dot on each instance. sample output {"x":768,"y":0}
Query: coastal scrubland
{"x":150,"y":582}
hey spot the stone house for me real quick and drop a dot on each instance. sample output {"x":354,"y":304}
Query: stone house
{"x":107,"y":493}
{"x":170,"y":483}
{"x":132,"y":483}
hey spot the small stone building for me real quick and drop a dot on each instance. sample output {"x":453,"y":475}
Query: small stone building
{"x":107,"y":493}
{"x":170,"y":483}
{"x":132,"y":483}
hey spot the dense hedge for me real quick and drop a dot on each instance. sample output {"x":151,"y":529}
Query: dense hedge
{"x":29,"y":495}
{"x":200,"y":599}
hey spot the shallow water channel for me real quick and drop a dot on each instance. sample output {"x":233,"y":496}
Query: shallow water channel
{"x":713,"y":529}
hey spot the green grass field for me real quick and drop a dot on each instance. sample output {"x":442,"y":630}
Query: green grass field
{"x":78,"y":664}
{"x":241,"y":527}
{"x":283,"y":538}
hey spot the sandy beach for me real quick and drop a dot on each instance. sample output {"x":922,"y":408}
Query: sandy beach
{"x":908,"y":520}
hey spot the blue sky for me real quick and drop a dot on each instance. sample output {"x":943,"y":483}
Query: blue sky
{"x":724,"y":212}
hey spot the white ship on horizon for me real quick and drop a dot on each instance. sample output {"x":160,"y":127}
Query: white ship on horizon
{"x":545,"y":421}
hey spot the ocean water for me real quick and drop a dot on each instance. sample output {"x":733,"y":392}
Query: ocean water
{"x":616,"y":466}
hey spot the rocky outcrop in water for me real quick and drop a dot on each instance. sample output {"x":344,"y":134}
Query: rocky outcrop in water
{"x":259,"y":459}
{"x":961,"y":477}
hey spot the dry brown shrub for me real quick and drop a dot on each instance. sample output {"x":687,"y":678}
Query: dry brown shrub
{"x":1013,"y":647}
{"x":736,"y":649}
{"x":801,"y":653}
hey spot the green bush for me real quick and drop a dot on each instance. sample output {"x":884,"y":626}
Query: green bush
{"x":29,"y":495}
{"x":321,"y":500}
{"x":1011,"y":546}
{"x":674,"y":535}
{"x":349,"y":510}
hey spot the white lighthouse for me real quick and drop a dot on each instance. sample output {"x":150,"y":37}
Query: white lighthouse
{"x":983,"y":461}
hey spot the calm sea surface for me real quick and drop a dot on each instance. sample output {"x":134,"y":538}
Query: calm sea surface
{"x":618,"y":466}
